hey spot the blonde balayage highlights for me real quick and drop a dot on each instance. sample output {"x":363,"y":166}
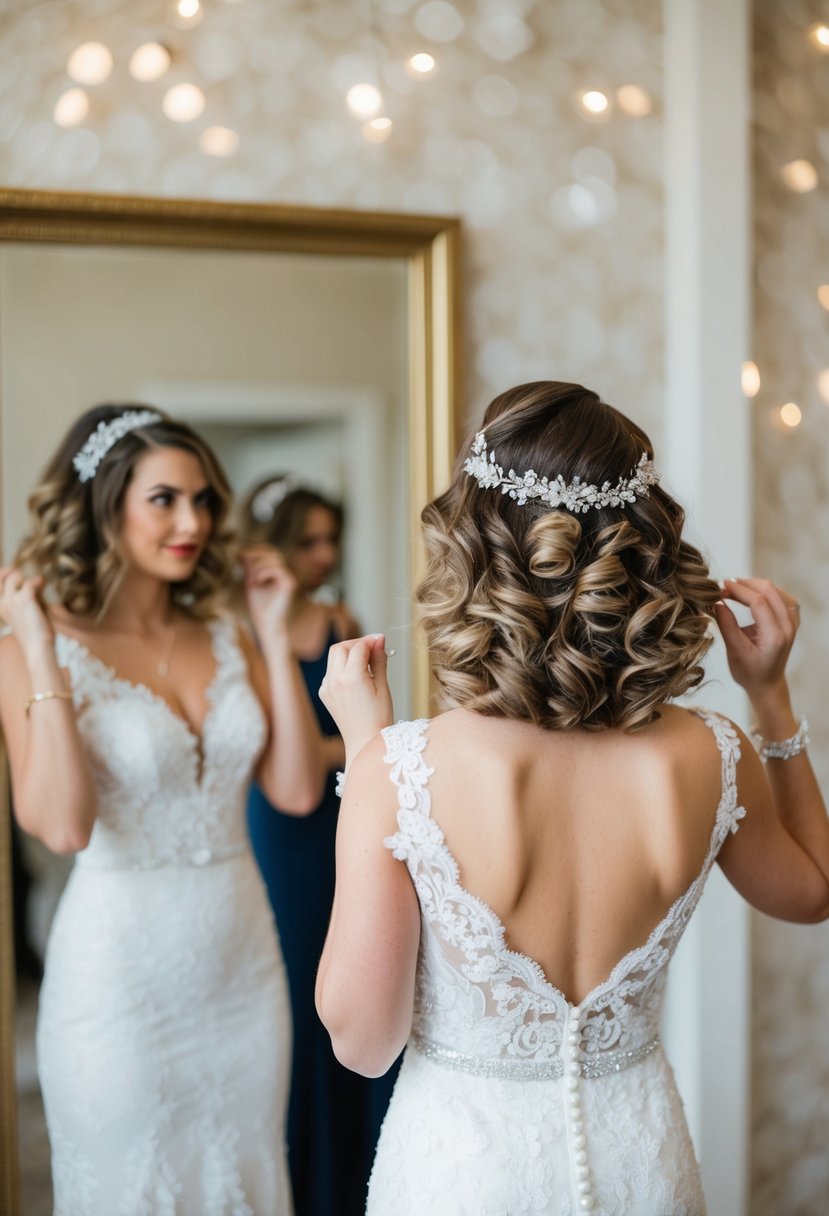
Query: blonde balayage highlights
{"x":73,"y":541}
{"x":564,"y":620}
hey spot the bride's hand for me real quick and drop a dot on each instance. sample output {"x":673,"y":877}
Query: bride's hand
{"x":270,"y":588}
{"x":758,"y":653}
{"x":356,"y":691}
{"x":22,"y":609}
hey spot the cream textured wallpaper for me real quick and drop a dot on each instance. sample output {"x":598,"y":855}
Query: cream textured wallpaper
{"x":563,"y":213}
{"x":791,"y":231}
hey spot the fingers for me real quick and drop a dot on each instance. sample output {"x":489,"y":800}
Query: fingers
{"x":337,"y":656}
{"x":755,"y":593}
{"x":11,"y":580}
{"x":733,"y":636}
{"x":762,"y":584}
{"x":379,"y":659}
{"x":358,"y":656}
{"x":361,"y":654}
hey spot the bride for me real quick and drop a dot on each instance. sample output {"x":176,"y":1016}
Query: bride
{"x":556,"y":826}
{"x":135,"y":717}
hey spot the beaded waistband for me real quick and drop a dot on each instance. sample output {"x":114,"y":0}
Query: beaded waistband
{"x":196,"y":859}
{"x":599,"y":1065}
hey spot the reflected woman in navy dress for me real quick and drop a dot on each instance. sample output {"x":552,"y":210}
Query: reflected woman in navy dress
{"x":334,"y":1115}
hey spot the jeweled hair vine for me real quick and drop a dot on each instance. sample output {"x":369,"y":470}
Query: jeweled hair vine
{"x":576,"y":495}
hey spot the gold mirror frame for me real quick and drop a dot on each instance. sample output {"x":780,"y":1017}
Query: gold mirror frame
{"x":431,"y":245}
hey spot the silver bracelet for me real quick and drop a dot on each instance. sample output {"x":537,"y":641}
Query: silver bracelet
{"x":786,"y":749}
{"x":340,"y":784}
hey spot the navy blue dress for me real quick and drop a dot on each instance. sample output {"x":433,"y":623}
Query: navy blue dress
{"x":334,"y":1116}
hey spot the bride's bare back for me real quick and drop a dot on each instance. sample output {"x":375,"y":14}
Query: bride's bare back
{"x":580,"y":841}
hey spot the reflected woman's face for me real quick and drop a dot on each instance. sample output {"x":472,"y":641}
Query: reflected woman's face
{"x":318,"y":550}
{"x":167,"y":519}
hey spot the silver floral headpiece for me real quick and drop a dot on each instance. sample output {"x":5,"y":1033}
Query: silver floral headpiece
{"x":265,"y":501}
{"x":105,"y":436}
{"x":576,"y":495}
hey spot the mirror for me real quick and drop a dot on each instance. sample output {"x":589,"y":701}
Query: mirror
{"x":320,"y":344}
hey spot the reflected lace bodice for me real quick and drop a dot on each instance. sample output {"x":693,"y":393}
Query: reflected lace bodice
{"x":478,"y":1000}
{"x":166,"y":796}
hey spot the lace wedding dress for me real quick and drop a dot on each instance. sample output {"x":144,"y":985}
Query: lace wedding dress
{"x":510,"y":1099}
{"x":164,"y":1025}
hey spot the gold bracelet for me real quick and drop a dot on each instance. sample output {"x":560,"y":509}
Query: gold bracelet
{"x":46,"y":696}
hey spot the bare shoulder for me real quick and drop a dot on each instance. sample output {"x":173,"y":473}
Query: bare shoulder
{"x":244,"y":637}
{"x":82,"y":628}
{"x":686,"y":726}
{"x":247,"y":644}
{"x":371,"y":758}
{"x":346,"y":625}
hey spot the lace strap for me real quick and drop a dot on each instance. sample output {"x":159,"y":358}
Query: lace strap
{"x":409,"y":773}
{"x":729,"y":812}
{"x":227,"y":649}
{"x":89,"y":678}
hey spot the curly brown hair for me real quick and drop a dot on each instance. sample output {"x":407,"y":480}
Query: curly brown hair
{"x":73,"y":542}
{"x":591,"y":620}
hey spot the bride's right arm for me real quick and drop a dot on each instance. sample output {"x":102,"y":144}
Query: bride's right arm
{"x":53,"y":789}
{"x":779,"y":858}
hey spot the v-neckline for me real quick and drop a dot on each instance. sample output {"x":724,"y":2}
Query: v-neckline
{"x":196,"y":738}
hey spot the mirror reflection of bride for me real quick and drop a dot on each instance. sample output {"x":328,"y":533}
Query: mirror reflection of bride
{"x":136,"y":714}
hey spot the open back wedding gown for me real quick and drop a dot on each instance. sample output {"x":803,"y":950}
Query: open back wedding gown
{"x":164,"y":1024}
{"x":510,"y":1099}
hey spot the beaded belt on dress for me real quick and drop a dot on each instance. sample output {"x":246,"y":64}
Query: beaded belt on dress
{"x":199,"y":857}
{"x":599,"y":1065}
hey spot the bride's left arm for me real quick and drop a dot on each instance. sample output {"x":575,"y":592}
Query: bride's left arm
{"x":293,"y":767}
{"x":366,"y":977}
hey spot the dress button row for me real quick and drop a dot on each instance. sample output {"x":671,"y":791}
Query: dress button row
{"x":579,"y":1140}
{"x":201,"y":857}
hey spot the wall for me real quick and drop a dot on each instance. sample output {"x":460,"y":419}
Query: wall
{"x":496,"y":136}
{"x":791,"y":233}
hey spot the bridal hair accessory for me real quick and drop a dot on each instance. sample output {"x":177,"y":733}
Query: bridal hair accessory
{"x":576,"y":495}
{"x":105,"y":436}
{"x":265,"y":501}
{"x":786,"y":749}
